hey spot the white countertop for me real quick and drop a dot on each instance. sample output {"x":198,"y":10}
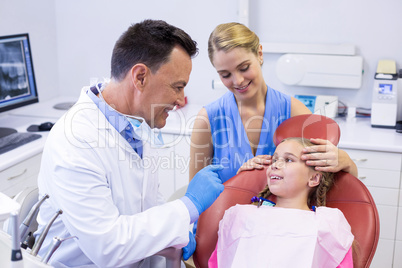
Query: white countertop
{"x":20,"y":119}
{"x":356,"y":133}
{"x":21,"y":123}
{"x":44,"y":108}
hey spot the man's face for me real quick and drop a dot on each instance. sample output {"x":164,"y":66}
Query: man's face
{"x":165,"y":89}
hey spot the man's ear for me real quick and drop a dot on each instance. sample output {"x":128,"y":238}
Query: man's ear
{"x":315,"y":179}
{"x":139,"y":74}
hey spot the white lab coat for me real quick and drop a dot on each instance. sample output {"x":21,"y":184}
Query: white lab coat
{"x":108,"y":195}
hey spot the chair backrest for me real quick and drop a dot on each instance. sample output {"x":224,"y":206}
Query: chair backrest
{"x":353,"y":198}
{"x":348,"y":194}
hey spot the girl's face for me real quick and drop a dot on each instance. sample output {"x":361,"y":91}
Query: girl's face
{"x":240,"y":71}
{"x":289,"y":176}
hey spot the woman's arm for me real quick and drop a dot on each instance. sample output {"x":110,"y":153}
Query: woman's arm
{"x":201,"y":148}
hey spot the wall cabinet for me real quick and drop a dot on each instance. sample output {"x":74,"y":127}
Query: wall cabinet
{"x":398,"y":241}
{"x":24,"y":174}
{"x":381,"y":173}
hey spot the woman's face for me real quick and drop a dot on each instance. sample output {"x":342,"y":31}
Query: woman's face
{"x":289,"y":176}
{"x":240,"y":71}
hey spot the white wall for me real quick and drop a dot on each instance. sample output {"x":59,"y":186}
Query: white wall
{"x":372,"y":26}
{"x":87,"y":31}
{"x":38,"y":19}
{"x":72,"y":40}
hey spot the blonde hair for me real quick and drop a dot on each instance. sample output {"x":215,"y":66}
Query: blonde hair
{"x":228,"y":36}
{"x":318,"y":194}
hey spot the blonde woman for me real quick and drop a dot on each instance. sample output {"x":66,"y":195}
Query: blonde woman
{"x":236,"y":130}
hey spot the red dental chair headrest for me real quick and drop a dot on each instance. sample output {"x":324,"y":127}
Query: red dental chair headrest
{"x":308,"y":126}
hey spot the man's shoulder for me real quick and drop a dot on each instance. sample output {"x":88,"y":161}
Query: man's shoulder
{"x":81,"y":126}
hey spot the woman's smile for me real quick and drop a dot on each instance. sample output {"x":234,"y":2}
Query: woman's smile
{"x":242,"y":89}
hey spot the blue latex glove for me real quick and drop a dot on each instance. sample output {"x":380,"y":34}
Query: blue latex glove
{"x":195,"y":227}
{"x":190,"y":248}
{"x":205,"y":187}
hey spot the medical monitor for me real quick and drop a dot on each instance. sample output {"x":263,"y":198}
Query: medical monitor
{"x":17,"y":78}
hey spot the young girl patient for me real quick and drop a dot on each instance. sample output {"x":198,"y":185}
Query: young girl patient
{"x":290,"y":232}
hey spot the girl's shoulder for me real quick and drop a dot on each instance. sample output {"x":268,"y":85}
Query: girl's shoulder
{"x":330,"y":213}
{"x":334,"y":231}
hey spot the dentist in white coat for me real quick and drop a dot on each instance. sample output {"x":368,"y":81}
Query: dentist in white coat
{"x":95,"y":164}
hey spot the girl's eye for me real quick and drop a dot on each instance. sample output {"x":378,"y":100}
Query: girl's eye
{"x":288,"y":160}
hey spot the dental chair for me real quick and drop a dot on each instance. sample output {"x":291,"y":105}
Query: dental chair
{"x":28,"y":197}
{"x":348,"y":194}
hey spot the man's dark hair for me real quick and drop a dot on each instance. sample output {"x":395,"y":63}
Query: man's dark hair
{"x":149,"y":42}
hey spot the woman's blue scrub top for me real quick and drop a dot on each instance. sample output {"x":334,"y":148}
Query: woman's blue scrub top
{"x":231,"y":146}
